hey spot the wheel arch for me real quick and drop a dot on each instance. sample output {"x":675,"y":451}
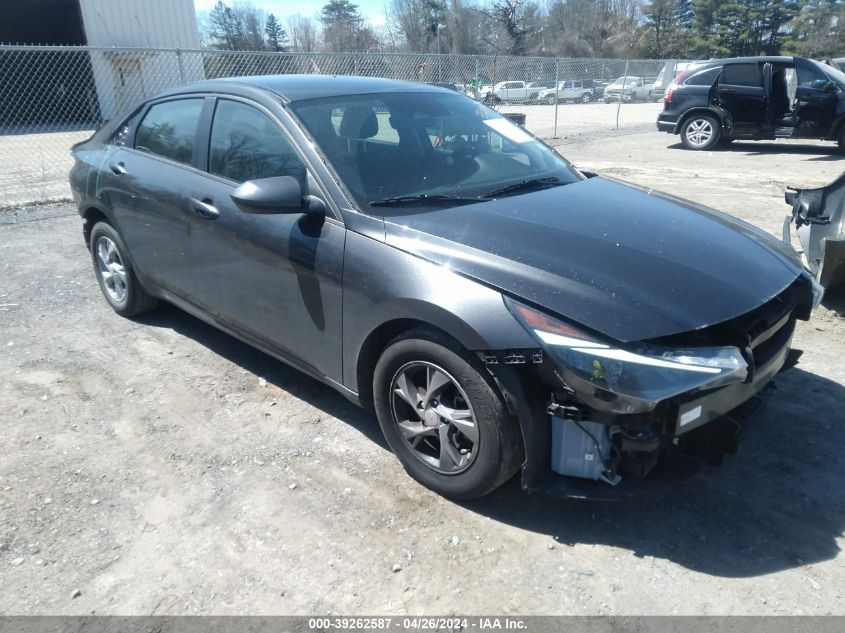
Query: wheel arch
{"x":719,"y":115}
{"x":90,"y":216}
{"x":380,"y":337}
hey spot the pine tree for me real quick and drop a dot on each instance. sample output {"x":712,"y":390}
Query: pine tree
{"x":276,"y":35}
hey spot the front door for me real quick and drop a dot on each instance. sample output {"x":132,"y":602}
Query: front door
{"x":275,"y":278}
{"x":741,"y":93}
{"x":816,"y":99}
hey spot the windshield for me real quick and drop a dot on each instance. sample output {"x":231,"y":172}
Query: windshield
{"x":435,"y":146}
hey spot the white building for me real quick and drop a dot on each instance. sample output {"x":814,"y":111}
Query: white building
{"x":124,"y":77}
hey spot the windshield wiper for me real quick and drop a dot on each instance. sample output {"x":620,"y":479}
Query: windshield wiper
{"x":425,"y":198}
{"x":533,"y":183}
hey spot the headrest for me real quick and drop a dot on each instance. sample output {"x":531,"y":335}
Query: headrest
{"x":359,"y":122}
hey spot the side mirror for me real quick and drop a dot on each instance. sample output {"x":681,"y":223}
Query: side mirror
{"x":829,"y":87}
{"x":280,"y":194}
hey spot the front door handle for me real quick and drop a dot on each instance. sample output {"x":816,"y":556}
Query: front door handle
{"x":205,"y":209}
{"x":118,"y":169}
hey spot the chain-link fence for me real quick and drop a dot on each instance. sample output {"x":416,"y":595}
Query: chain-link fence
{"x":52,"y":97}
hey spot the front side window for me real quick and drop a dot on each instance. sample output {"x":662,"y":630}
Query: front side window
{"x":810,"y":76}
{"x":169,"y":129}
{"x":425,"y":144}
{"x":742,"y":75}
{"x":246,"y":145}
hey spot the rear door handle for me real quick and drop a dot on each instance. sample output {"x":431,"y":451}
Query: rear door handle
{"x":118,"y":169}
{"x":205,"y":209}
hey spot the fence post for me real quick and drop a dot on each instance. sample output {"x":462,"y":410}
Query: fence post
{"x":621,"y":92}
{"x":557,"y":88}
{"x":476,"y":79}
{"x":179,"y":62}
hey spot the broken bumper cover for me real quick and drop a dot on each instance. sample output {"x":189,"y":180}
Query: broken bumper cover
{"x":644,"y":451}
{"x":819,"y":218}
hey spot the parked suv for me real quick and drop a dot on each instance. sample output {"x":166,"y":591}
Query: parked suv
{"x":755,"y":98}
{"x":568,"y":90}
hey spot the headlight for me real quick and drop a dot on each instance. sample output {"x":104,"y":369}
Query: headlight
{"x":634,"y":379}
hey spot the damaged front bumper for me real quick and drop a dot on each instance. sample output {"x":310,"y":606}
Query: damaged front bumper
{"x":575,"y":449}
{"x":819,"y":218}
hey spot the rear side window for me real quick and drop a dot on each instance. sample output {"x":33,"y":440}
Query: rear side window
{"x":169,"y":129}
{"x":704,"y":77}
{"x":246,"y":145}
{"x":742,"y":75}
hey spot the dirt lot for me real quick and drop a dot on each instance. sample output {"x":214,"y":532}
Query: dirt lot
{"x":159,"y":466}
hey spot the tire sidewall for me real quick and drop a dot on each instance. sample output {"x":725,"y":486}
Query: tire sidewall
{"x":486,"y":471}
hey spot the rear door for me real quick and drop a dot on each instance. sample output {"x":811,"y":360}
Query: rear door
{"x":148,"y":194}
{"x":815,"y":100}
{"x":273,"y":278}
{"x":740,"y":92}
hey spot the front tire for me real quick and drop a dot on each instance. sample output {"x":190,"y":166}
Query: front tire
{"x":443,"y":418}
{"x":700,"y":132}
{"x":585,"y":98}
{"x":114,"y":272}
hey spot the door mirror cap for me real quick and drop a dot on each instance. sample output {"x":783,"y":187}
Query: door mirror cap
{"x":829,"y":87}
{"x":280,"y":194}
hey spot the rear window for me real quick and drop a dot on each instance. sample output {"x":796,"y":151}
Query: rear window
{"x":703,"y":77}
{"x":742,"y":75}
{"x":169,"y":129}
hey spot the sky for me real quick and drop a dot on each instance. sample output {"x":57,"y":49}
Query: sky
{"x":372,"y":10}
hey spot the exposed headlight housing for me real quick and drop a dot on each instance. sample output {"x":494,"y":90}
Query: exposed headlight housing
{"x":632,"y":379}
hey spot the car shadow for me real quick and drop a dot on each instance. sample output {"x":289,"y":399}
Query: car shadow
{"x":778,"y":504}
{"x":834,"y":299}
{"x":764,"y":148}
{"x":274,"y":371}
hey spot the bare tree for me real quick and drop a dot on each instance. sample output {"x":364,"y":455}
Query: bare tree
{"x":513,"y":17}
{"x":302,"y":33}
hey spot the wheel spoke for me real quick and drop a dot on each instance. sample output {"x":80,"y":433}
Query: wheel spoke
{"x":407,"y":390}
{"x":103,"y":252}
{"x":437,"y":382}
{"x":411,"y":430}
{"x":119,"y":272}
{"x":450,"y":458}
{"x":461,"y":419}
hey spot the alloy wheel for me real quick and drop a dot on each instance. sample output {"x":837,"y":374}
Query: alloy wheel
{"x":434,"y":416}
{"x":699,"y":132}
{"x":111,"y":268}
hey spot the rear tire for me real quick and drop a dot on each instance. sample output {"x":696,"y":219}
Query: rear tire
{"x":462,"y":460}
{"x":585,"y":98}
{"x":700,"y":132}
{"x":841,"y":139}
{"x":114,"y":272}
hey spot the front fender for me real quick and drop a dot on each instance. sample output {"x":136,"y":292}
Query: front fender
{"x":383,"y":285}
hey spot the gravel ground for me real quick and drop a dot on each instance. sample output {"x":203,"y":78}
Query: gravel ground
{"x":160,"y":467}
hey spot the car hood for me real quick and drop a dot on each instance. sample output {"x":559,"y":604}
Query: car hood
{"x":629,"y":263}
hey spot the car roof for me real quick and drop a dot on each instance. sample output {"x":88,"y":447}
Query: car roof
{"x":739,"y":60}
{"x":303,"y":87}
